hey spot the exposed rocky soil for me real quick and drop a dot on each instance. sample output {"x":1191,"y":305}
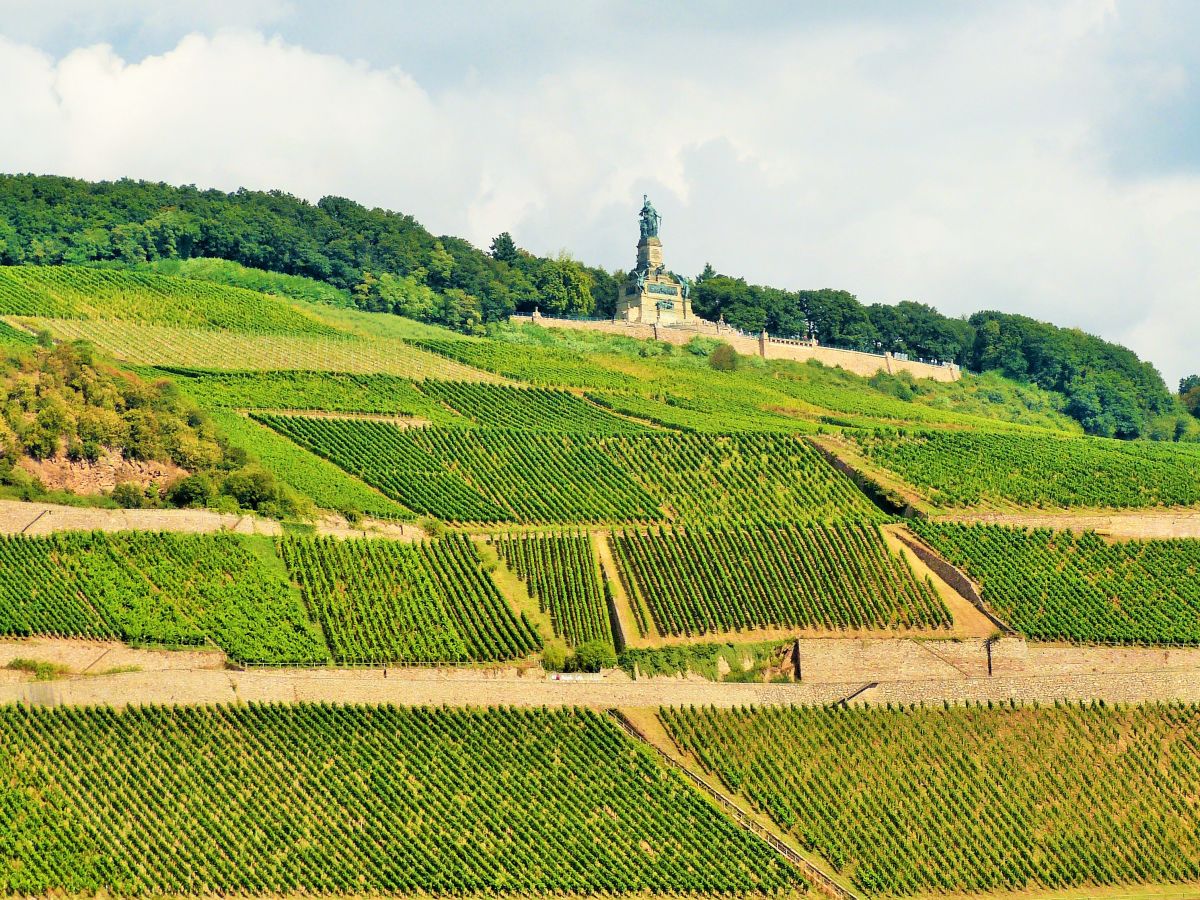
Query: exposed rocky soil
{"x":61,"y":474}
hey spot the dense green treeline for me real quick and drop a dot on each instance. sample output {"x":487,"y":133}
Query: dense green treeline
{"x":1107,"y":388}
{"x":386,"y":261}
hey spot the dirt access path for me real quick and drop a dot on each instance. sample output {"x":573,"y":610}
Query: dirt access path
{"x":397,"y":420}
{"x":1124,"y":524}
{"x":206,"y":686}
{"x":870,"y":671}
{"x":17,"y":517}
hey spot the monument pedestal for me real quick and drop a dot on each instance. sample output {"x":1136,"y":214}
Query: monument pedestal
{"x":651,"y":295}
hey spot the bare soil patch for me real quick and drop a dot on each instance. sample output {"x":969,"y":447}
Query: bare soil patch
{"x":96,"y":658}
{"x":17,"y":517}
{"x":969,"y":622}
{"x":333,"y":525}
{"x":1126,"y":524}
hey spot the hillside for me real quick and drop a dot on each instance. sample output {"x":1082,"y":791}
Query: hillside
{"x":387,"y":262}
{"x":470,"y":549}
{"x":74,"y":424}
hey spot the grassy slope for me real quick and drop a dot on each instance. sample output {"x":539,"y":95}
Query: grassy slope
{"x":324,"y":483}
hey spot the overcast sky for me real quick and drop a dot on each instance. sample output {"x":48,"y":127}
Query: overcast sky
{"x":1041,"y":158}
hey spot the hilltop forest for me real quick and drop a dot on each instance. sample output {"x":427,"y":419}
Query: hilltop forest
{"x":384,"y":261}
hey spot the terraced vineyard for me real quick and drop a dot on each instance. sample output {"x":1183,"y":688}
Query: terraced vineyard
{"x":545,"y":477}
{"x":958,"y":469}
{"x":163,"y":588}
{"x":384,"y":602}
{"x":326,"y":391}
{"x":71,"y":292}
{"x":560,"y":572}
{"x":527,"y":409}
{"x":746,"y":479}
{"x":158,"y":345}
{"x":828,"y":577}
{"x":327,"y":485}
{"x":537,"y":365}
{"x":1059,"y":586}
{"x":328,"y":800}
{"x":468,"y":475}
{"x":966,"y":800}
{"x":687,"y":414}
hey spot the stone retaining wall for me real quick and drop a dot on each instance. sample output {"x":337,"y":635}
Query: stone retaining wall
{"x":865,"y":364}
{"x":952,"y":576}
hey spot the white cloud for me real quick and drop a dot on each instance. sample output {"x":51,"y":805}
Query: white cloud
{"x":965,"y":164}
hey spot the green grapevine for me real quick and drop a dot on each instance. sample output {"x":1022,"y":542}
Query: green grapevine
{"x":968,"y":800}
{"x":73,"y":292}
{"x":560,"y":572}
{"x":164,"y":588}
{"x":526,"y":409}
{"x":323,"y":800}
{"x":821,"y":576}
{"x":1060,"y":586}
{"x":972,"y":468}
{"x":384,"y":601}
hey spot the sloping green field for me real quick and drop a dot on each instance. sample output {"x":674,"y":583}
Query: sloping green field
{"x":337,"y":801}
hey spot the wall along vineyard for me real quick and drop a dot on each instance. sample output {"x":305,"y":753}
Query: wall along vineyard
{"x":958,"y":469}
{"x":381,"y":601}
{"x":826,"y":577}
{"x":968,"y":799}
{"x":329,"y":800}
{"x":560,"y":572}
{"x":1052,"y":585}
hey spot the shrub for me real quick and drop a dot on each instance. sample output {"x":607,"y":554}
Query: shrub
{"x":194,"y":490}
{"x":432,"y":527}
{"x":251,"y":487}
{"x":592,"y":656}
{"x":724,"y":358}
{"x":129,"y":495}
{"x":554,"y":656}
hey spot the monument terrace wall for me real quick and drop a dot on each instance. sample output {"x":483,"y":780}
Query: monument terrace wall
{"x":763,"y":345}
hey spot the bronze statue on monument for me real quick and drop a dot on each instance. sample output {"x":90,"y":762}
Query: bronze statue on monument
{"x":649,"y":218}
